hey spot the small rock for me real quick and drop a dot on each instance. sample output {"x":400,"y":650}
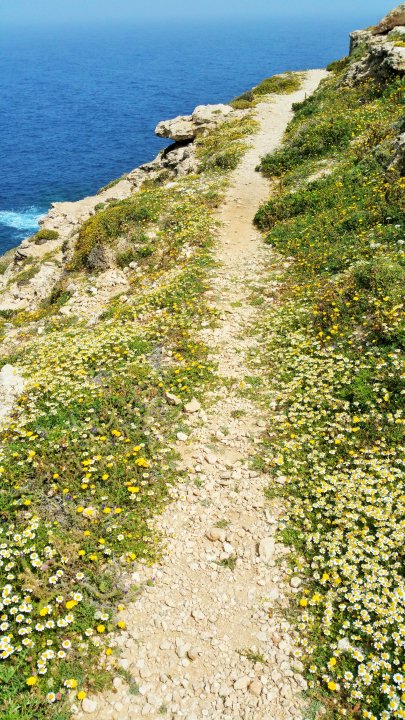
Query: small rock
{"x":192,"y":654}
{"x":172,"y":399}
{"x":192,"y":407}
{"x":182,"y":437}
{"x":215,"y":534}
{"x":266,"y":549}
{"x":89,"y":706}
{"x":255,"y":687}
{"x":295,"y":582}
{"x":182,"y":651}
{"x":242,"y":683}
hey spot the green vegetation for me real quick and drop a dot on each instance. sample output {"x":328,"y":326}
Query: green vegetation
{"x":333,"y":351}
{"x":128,"y":220}
{"x":86,"y":460}
{"x":44,"y":235}
{"x":111,"y":184}
{"x":283,"y":84}
{"x":222,"y":149}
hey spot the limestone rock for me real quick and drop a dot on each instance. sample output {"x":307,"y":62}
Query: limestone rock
{"x":182,"y":437}
{"x":266,"y":549}
{"x":216,"y":534}
{"x":207,"y":114}
{"x":179,"y":129}
{"x":185,"y":128}
{"x":394,"y":18}
{"x":256,"y":687}
{"x":192,"y":407}
{"x":242,"y":683}
{"x":382,"y":60}
{"x":89,"y":706}
{"x":173,"y":399}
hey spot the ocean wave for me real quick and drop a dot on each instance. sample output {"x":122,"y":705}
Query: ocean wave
{"x":23,"y":221}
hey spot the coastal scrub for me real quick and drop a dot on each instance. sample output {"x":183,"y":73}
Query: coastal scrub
{"x":332,"y":350}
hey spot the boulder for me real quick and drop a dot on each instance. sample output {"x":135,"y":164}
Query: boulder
{"x":211,"y":114}
{"x":185,"y":128}
{"x":394,"y":19}
{"x":100,"y":258}
{"x":179,"y":129}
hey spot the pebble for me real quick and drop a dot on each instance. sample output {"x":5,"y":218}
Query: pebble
{"x":89,"y":706}
{"x":242,"y":683}
{"x":173,"y":399}
{"x":192,"y":407}
{"x":215,"y":534}
{"x":295,"y":582}
{"x":266,"y":549}
{"x":256,"y":687}
{"x":182,"y":437}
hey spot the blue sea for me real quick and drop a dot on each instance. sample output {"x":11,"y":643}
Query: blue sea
{"x":78,"y":105}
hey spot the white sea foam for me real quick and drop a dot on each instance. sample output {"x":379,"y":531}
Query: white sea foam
{"x":26,"y":221}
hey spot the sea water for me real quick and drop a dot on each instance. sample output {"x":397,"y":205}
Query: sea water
{"x":78,"y":105}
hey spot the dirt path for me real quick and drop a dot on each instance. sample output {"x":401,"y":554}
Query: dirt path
{"x":206,"y":640}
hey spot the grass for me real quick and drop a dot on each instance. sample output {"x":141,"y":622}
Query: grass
{"x":283,"y":84}
{"x":333,"y":349}
{"x":253,"y":656}
{"x":86,"y":459}
{"x":229,"y":562}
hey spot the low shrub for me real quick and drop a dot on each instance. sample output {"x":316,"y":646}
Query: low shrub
{"x":44,"y":235}
{"x":277,"y":84}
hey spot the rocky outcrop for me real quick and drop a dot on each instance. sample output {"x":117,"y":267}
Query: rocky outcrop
{"x":398,"y":162}
{"x":381,"y":60}
{"x":35,"y":268}
{"x":394,"y":19}
{"x":11,"y":385}
{"x":188,"y":127}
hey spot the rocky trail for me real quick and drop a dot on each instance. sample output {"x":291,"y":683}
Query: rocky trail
{"x":207,"y":639}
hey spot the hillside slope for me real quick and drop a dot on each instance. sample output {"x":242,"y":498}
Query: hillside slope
{"x":156,"y":351}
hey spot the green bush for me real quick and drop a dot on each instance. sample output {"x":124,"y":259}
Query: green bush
{"x":119,"y":219}
{"x":338,"y":65}
{"x":44,"y":235}
{"x":277,"y":84}
{"x":125,"y":258}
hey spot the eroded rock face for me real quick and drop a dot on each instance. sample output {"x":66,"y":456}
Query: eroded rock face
{"x":399,"y":154}
{"x":179,"y":129}
{"x":382,"y":60}
{"x":394,"y":19}
{"x":187,"y":127}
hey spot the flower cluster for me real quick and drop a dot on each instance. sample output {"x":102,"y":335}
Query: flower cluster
{"x":86,"y":459}
{"x":334,"y":352}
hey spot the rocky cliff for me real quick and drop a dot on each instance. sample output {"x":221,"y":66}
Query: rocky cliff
{"x":40,"y":263}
